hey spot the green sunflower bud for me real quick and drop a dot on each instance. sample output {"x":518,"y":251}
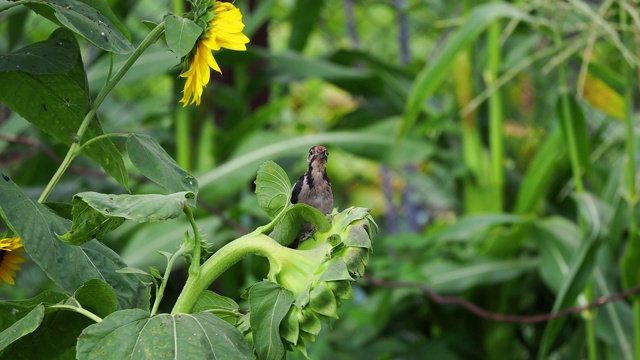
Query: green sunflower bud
{"x":340,"y":255}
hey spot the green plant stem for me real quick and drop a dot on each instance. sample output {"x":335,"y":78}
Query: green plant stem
{"x":194,"y":269}
{"x":183,"y":138}
{"x":151,"y":38}
{"x":218,"y":263}
{"x":100,"y":137}
{"x":496,"y":138}
{"x":576,"y":170}
{"x":632,"y":191}
{"x":165,"y":278}
{"x":79,"y":310}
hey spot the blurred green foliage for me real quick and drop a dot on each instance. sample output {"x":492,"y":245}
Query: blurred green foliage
{"x":404,"y":94}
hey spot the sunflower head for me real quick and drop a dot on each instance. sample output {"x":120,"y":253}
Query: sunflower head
{"x":10,"y":250}
{"x":223,"y":27}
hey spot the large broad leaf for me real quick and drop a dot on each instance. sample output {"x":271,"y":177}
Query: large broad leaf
{"x":50,"y":91}
{"x":131,"y":334}
{"x":268,"y":305}
{"x":181,"y":34}
{"x":94,"y":214}
{"x":92,"y":19}
{"x":69,"y":266}
{"x":273,"y":189}
{"x":436,"y":71}
{"x":154,"y":162}
{"x":289,"y":227}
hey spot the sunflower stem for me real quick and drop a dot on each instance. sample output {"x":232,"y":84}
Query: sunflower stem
{"x":222,"y":260}
{"x":73,"y":151}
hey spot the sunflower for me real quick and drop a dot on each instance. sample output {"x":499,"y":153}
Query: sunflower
{"x":10,"y":250}
{"x":223,"y":31}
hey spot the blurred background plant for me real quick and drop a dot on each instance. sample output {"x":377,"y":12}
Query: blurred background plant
{"x":493,"y":141}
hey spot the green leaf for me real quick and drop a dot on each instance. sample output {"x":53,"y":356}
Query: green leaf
{"x":323,"y":301}
{"x":96,"y":296}
{"x":292,"y":66}
{"x":304,"y":18}
{"x":289,"y":227}
{"x":334,"y":270}
{"x":453,"y":277}
{"x":52,"y":56}
{"x":95,"y":214}
{"x":435,"y":72}
{"x":22,"y":327}
{"x":92,"y":19}
{"x":220,"y":306}
{"x":154,"y":162}
{"x":268,"y":305}
{"x":579,"y":126}
{"x":544,"y":168}
{"x":57,"y":100}
{"x":38,"y":227}
{"x":181,"y":34}
{"x":581,"y":267}
{"x":12,"y":311}
{"x":131,"y":334}
{"x":88,"y":224}
{"x":469,"y":227}
{"x":558,"y":239}
{"x":55,"y":338}
{"x":273,"y":188}
{"x":614,"y":322}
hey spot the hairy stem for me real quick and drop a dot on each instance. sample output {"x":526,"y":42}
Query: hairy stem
{"x":165,"y":278}
{"x":194,"y":269}
{"x":223,"y":259}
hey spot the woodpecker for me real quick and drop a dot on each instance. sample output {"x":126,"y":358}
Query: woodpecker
{"x":314,"y":187}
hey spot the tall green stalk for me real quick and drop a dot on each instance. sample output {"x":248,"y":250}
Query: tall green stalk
{"x":496,"y":116}
{"x":74,"y":149}
{"x":576,"y":170}
{"x":629,"y":263}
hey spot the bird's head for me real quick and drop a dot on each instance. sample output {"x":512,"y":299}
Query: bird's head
{"x":318,"y":154}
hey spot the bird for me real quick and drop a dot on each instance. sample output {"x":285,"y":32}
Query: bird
{"x":314,"y":187}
